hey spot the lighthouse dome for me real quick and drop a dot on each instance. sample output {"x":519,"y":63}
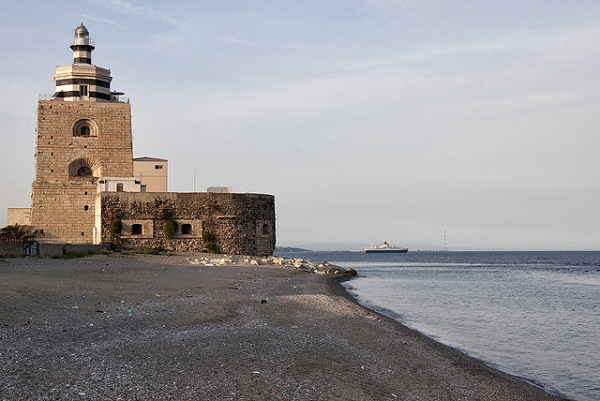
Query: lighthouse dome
{"x":81,"y":36}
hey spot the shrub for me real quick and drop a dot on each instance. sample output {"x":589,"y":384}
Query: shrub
{"x":16,"y":233}
{"x":210,"y":242}
{"x":116,"y":226}
{"x":170,"y":229}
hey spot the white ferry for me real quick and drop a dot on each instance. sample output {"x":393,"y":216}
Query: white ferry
{"x":385,"y":248}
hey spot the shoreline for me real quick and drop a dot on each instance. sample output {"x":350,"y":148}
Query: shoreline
{"x":164,"y":327}
{"x":340,"y":290}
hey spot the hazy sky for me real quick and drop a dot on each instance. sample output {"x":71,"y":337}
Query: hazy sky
{"x":369,"y":120}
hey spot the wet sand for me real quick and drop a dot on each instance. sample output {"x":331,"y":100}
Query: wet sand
{"x":124,"y":327}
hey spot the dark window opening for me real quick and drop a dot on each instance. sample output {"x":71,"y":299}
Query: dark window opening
{"x":86,"y":208}
{"x":84,"y":171}
{"x":83,"y":127}
{"x":136,"y":229}
{"x":186,"y":229}
{"x":82,"y":234}
{"x":119,"y":187}
{"x":158,"y":167}
{"x":265,"y":229}
{"x":142,"y":188}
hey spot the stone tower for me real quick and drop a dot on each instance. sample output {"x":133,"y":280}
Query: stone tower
{"x":83,"y":143}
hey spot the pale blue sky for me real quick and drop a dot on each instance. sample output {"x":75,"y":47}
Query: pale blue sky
{"x":369,"y":120}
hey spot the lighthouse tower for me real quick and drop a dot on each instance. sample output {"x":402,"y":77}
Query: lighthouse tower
{"x":82,"y":80}
{"x":83,"y":147}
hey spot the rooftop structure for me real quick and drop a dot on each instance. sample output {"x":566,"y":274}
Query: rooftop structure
{"x":82,"y":80}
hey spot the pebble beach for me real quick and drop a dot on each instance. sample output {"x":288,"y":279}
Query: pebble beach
{"x":182,"y":327}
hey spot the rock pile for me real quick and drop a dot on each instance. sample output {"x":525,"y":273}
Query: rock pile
{"x":295,"y":263}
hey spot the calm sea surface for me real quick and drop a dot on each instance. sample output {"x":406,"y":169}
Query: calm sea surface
{"x":532,"y":314}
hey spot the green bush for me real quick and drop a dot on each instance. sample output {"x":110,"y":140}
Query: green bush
{"x":170,"y":229}
{"x":17,"y":233}
{"x":116,"y":226}
{"x":210,"y":242}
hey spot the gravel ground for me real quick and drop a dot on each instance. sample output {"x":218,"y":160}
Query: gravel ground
{"x":124,"y":327}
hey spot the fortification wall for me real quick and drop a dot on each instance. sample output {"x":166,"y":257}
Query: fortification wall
{"x":242,"y":224}
{"x":64,"y":214}
{"x":77,"y":143}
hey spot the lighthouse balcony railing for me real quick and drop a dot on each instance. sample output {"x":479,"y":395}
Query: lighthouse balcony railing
{"x":83,"y":41}
{"x":113,"y":98}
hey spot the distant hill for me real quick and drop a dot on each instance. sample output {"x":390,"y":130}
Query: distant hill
{"x":291,"y":249}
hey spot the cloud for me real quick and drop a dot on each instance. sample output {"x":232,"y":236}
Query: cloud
{"x":126,"y":7}
{"x":111,"y":22}
{"x":236,"y":40}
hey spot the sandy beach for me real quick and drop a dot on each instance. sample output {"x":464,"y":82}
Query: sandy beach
{"x":141,"y":327}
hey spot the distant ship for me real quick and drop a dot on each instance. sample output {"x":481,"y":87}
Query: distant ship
{"x":385,"y":248}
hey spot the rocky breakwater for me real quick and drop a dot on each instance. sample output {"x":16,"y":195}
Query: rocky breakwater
{"x":271,"y":261}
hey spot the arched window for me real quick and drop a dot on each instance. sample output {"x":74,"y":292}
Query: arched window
{"x":266,"y":230}
{"x":186,"y":229}
{"x":84,"y":127}
{"x":84,"y":168}
{"x":136,"y":229}
{"x":84,"y":171}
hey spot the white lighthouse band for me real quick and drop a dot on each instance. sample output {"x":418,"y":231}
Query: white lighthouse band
{"x":82,"y":81}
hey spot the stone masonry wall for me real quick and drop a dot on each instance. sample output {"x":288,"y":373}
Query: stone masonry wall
{"x":242,"y":224}
{"x":63,"y":203}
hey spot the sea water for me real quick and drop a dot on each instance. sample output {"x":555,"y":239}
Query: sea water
{"x":535,"y":315}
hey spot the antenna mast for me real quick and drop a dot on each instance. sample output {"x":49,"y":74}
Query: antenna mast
{"x":445,"y":243}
